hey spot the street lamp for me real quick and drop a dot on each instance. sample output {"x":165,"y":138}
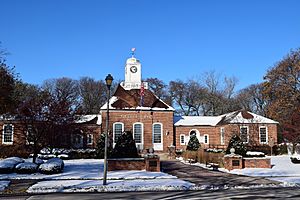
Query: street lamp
{"x":108,"y":81}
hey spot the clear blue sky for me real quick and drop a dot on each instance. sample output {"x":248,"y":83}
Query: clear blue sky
{"x":174,"y":39}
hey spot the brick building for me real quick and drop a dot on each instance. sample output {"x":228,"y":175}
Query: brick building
{"x":133,"y":107}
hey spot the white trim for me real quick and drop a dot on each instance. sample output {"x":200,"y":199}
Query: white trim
{"x":12,"y":134}
{"x":87,"y":139}
{"x":222,"y":135}
{"x":158,"y":146}
{"x":142,"y":133}
{"x":114,"y":130}
{"x":267,"y":135}
{"x":206,"y":135}
{"x":247,"y":133}
{"x":182,"y":143}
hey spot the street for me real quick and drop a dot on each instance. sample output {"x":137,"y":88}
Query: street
{"x":267,"y":193}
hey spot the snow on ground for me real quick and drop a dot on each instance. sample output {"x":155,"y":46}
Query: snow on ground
{"x":3,"y":185}
{"x":281,"y":166}
{"x":283,"y":170}
{"x":112,"y":186}
{"x":90,"y":169}
{"x":85,"y":175}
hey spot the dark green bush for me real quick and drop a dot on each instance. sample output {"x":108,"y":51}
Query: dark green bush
{"x":193,"y":144}
{"x":236,"y":143}
{"x":125,"y":146}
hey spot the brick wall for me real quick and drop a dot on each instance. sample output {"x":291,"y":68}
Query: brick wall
{"x":230,"y":129}
{"x":257,"y":163}
{"x":147,"y":118}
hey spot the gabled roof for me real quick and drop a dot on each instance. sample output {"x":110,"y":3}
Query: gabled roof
{"x":245,"y":117}
{"x":237,"y":117}
{"x":131,"y":99}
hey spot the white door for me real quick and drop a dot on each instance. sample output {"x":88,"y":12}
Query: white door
{"x":157,"y":134}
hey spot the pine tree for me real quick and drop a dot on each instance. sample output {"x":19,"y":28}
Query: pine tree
{"x":236,"y":143}
{"x":101,"y":146}
{"x":125,"y":146}
{"x":193,"y":144}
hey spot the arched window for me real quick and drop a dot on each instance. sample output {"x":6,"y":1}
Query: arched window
{"x":157,"y":133}
{"x":138,"y":133}
{"x":118,"y":129}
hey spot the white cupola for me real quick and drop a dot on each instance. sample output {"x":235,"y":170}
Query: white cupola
{"x":133,"y":73}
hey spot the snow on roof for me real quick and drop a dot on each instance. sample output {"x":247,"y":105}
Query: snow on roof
{"x":196,"y":120}
{"x":87,"y":118}
{"x":237,"y":117}
{"x":113,"y":99}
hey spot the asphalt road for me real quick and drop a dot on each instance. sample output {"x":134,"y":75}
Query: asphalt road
{"x":274,"y":193}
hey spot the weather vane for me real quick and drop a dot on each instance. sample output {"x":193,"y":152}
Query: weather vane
{"x":132,"y":52}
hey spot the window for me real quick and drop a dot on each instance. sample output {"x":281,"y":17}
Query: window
{"x":8,"y":133}
{"x":138,"y":132}
{"x":157,"y":133}
{"x":206,"y":139}
{"x":182,"y":139}
{"x":29,"y":135}
{"x":118,"y":129}
{"x":222,"y":130}
{"x":263,"y":135}
{"x":90,"y":139}
{"x":244,"y":134}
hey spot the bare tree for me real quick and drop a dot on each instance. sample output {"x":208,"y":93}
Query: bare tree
{"x":92,"y":94}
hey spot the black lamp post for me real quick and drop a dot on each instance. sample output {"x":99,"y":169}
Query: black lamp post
{"x":108,"y":81}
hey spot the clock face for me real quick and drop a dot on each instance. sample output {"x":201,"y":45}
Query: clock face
{"x":133,"y":69}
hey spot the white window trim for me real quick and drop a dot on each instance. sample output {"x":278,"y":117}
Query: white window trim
{"x":114,"y":142}
{"x":206,"y":135}
{"x":222,"y":137}
{"x":92,"y":139}
{"x":142,"y":134}
{"x":12,"y":135}
{"x":267,"y":135}
{"x":184,"y":143}
{"x":247,"y":133}
{"x":161,"y":133}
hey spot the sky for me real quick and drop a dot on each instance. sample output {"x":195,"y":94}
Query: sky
{"x":174,"y":39}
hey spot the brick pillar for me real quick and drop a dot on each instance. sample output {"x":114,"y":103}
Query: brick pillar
{"x":152,"y":163}
{"x":233,"y":161}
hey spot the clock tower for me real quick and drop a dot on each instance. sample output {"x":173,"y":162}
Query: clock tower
{"x":133,"y":73}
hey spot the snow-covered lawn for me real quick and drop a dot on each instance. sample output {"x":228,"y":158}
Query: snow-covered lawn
{"x":3,"y":185}
{"x":282,"y":170}
{"x":90,"y":169}
{"x":86,"y":175}
{"x":112,"y":186}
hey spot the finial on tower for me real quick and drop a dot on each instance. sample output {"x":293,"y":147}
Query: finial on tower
{"x":132,"y":52}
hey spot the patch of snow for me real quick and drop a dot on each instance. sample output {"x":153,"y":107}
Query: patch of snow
{"x":26,"y":168}
{"x":52,"y":166}
{"x":3,"y":185}
{"x":113,"y":185}
{"x":254,"y":153}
